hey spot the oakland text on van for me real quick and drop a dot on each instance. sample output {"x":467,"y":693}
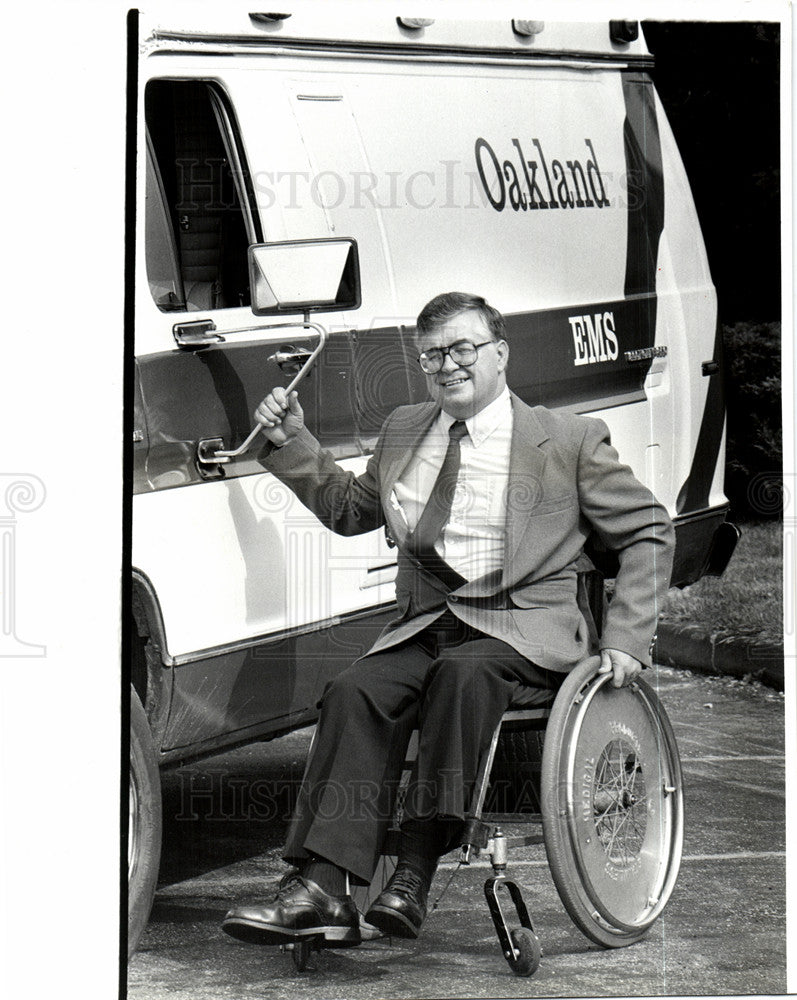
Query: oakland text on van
{"x":567,"y":185}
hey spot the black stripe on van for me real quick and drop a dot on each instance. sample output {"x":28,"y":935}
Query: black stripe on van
{"x":645,"y":190}
{"x":694,"y":494}
{"x":575,"y":356}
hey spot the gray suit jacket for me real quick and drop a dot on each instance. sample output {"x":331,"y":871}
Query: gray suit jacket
{"x":565,"y":482}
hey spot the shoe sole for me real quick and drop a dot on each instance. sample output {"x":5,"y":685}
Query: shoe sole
{"x":391,"y":922}
{"x":254,"y":932}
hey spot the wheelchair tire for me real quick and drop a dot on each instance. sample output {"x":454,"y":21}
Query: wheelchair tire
{"x":613,"y":806}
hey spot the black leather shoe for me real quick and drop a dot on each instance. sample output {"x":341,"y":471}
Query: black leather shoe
{"x":400,"y":909}
{"x":300,"y":909}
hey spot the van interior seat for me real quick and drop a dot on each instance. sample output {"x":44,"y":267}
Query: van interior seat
{"x":203,"y":295}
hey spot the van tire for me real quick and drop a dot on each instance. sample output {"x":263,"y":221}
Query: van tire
{"x":144,"y":825}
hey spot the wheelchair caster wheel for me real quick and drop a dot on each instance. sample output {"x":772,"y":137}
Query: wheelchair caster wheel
{"x":526,"y":959}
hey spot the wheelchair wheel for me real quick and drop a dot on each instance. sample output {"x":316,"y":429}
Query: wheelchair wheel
{"x":612,"y":805}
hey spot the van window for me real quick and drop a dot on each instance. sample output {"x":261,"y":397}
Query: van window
{"x":198,"y":222}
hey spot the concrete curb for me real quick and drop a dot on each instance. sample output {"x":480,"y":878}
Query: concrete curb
{"x":689,"y":647}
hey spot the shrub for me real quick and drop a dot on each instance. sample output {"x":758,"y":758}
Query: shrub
{"x":754,"y":456}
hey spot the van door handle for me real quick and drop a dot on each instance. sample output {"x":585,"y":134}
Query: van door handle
{"x":291,"y":359}
{"x":196,"y":333}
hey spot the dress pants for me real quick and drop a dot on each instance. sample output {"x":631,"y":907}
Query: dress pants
{"x":453,"y":684}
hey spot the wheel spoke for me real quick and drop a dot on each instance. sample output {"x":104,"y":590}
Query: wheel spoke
{"x":620,"y":802}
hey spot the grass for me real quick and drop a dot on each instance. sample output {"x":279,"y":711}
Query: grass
{"x":747,"y":600}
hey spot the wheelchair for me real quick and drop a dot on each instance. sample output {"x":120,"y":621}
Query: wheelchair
{"x":610,"y":810}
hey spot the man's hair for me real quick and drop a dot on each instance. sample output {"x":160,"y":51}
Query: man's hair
{"x":444,"y":307}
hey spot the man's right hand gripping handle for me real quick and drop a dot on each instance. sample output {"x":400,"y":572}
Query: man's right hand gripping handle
{"x":280,"y":416}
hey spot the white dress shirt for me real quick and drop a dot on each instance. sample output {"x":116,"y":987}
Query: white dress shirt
{"x":472,"y":542}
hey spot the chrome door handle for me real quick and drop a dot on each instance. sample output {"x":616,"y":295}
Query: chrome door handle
{"x":196,"y":333}
{"x":291,"y":358}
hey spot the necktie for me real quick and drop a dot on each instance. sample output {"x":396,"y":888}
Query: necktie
{"x":438,"y":507}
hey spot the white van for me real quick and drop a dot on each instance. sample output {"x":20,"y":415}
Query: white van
{"x":527,"y":162}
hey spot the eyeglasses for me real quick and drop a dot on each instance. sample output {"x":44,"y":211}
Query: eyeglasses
{"x":463,"y":353}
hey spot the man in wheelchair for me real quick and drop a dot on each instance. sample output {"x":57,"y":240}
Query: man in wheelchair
{"x":489,"y":502}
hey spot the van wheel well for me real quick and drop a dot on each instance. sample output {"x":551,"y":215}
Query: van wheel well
{"x":149,"y":677}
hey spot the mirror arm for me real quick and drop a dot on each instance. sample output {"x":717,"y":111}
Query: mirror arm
{"x":218,"y":457}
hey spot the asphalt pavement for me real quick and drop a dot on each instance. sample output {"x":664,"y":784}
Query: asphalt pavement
{"x":723,"y":932}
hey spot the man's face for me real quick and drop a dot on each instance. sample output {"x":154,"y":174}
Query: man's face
{"x":462,"y":391}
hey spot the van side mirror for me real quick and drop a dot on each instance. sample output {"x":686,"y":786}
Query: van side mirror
{"x":304,"y":276}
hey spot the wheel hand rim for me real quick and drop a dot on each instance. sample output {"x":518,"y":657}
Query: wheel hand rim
{"x":665,"y":817}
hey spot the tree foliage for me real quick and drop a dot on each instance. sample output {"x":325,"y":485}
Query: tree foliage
{"x":754,"y":458}
{"x":719,"y":84}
